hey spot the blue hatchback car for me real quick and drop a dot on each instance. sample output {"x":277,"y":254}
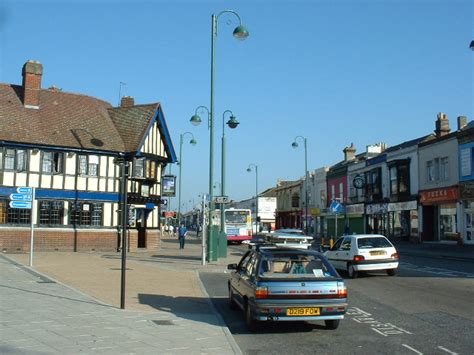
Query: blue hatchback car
{"x":273,"y":284}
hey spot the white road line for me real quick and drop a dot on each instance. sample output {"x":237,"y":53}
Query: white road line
{"x":414,"y":350}
{"x":447,"y":350}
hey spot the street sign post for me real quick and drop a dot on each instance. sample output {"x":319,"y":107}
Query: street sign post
{"x":25,"y":199}
{"x":221,"y":199}
{"x":336,"y":208}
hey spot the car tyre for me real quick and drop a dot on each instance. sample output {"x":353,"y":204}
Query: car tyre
{"x":232,"y":304}
{"x":249,"y":321}
{"x":391,"y":272}
{"x":351,"y":272}
{"x":332,"y":324}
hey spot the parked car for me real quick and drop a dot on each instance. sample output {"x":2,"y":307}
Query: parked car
{"x":363,"y":252}
{"x":272,"y":284}
{"x":289,"y":231}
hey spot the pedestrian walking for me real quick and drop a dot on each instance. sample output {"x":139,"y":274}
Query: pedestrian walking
{"x":182,"y":232}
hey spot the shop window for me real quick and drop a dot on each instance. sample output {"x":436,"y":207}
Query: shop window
{"x":14,"y":159}
{"x":18,"y":216}
{"x":52,"y":163}
{"x":88,"y":165}
{"x":85,"y":214}
{"x":51,"y":213}
{"x":3,"y":212}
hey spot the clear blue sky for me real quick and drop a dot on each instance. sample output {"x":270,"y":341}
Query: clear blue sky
{"x":333,"y":71}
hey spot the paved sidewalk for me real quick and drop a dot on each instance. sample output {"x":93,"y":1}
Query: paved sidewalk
{"x":69,"y":303}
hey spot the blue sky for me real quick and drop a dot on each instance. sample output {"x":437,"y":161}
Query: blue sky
{"x":333,"y":71}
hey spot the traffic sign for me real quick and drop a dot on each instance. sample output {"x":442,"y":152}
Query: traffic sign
{"x":24,"y":190}
{"x":222,"y":199}
{"x":336,"y":207}
{"x":20,"y":197}
{"x":20,"y":204}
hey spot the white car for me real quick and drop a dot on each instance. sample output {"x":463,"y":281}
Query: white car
{"x":363,"y":252}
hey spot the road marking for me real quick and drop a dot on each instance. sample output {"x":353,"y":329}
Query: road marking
{"x":414,"y":350}
{"x":436,"y":270}
{"x":447,"y":350}
{"x":384,"y":329}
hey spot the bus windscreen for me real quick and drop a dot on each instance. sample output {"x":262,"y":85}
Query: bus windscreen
{"x":236,"y":217}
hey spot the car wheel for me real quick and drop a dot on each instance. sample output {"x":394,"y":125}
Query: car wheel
{"x":332,"y":323}
{"x":249,"y":321}
{"x":391,"y":272}
{"x":232,"y":304}
{"x":351,"y":272}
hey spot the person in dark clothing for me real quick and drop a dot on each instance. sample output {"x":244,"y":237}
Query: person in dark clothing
{"x":182,"y":232}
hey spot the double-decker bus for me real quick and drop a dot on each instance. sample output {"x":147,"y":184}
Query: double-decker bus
{"x":237,"y":225}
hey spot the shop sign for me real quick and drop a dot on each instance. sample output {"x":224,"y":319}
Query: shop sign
{"x":355,"y":209}
{"x":315,"y":212}
{"x":376,"y":208}
{"x":467,"y":189}
{"x":439,"y":195}
{"x":402,"y":206}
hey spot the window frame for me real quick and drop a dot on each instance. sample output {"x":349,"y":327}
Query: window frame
{"x":94,"y":211}
{"x":56,"y":161}
{"x":13,"y":159}
{"x":85,"y":169}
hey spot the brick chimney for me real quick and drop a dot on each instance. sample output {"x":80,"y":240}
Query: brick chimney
{"x":127,"y":101}
{"x":349,"y":153}
{"x":32,"y":74}
{"x":462,"y":122}
{"x":442,"y":125}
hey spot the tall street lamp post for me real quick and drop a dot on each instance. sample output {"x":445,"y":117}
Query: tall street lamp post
{"x":192,"y":142}
{"x":249,"y":169}
{"x":232,"y":123}
{"x":240,"y":32}
{"x":295,"y":145}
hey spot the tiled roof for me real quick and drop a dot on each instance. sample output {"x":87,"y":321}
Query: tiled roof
{"x":132,"y":123}
{"x":74,"y":121}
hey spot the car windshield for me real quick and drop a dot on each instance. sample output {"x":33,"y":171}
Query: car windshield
{"x":373,"y":242}
{"x":295,"y":265}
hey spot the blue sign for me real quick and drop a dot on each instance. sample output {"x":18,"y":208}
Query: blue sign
{"x":24,"y":190}
{"x":336,"y":207}
{"x":20,"y":204}
{"x":20,"y":197}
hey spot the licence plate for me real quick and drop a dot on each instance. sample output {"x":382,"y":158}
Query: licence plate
{"x":307,"y":311}
{"x":378,"y":252}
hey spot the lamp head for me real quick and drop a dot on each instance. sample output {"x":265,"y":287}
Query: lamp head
{"x":472,"y":45}
{"x":241,"y":33}
{"x":195,"y":120}
{"x":193,"y":142}
{"x":249,"y":170}
{"x":232,"y":122}
{"x":294,"y":145}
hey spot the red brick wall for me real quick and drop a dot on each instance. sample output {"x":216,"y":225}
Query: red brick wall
{"x":17,"y":240}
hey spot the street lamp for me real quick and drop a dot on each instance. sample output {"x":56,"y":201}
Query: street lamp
{"x":249,"y":169}
{"x":295,"y":145}
{"x":232,"y":123}
{"x":241,"y":33}
{"x":192,"y":142}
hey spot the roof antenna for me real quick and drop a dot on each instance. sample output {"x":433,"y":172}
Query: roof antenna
{"x":120,"y":91}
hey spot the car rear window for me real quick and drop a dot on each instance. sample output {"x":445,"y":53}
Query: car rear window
{"x":373,"y":242}
{"x":293,"y":265}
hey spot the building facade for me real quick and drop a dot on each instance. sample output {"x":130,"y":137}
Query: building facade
{"x":69,"y":148}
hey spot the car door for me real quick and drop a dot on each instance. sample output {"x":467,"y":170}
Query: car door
{"x":345,"y":254}
{"x":236,"y":279}
{"x":247,"y":281}
{"x":333,"y":253}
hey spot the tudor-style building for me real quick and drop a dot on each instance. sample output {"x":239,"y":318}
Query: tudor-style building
{"x":66,"y":146}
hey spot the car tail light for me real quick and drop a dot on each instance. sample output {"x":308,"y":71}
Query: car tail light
{"x":395,"y":256}
{"x":341,"y":290}
{"x":358,"y":258}
{"x":261,"y":292}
